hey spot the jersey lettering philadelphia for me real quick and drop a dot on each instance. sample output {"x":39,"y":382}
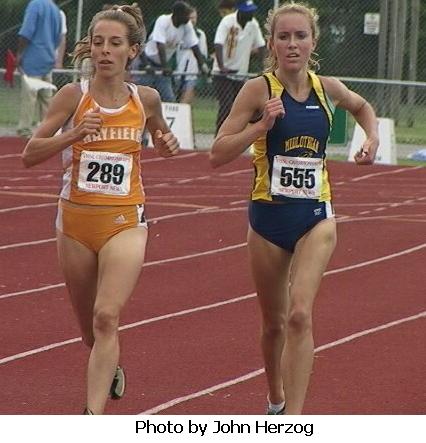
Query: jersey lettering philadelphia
{"x":115,"y":133}
{"x":302,"y":141}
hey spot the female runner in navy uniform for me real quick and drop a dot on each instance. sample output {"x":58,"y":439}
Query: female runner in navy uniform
{"x":292,"y":230}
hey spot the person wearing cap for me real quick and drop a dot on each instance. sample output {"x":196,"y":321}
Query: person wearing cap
{"x":237,"y":36}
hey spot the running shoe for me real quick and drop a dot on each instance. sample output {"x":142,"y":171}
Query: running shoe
{"x":269,"y":411}
{"x":118,"y":385}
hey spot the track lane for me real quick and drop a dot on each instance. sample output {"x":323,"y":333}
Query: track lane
{"x":159,"y":186}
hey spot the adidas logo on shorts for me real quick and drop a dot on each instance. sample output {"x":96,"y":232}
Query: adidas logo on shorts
{"x":120,"y":220}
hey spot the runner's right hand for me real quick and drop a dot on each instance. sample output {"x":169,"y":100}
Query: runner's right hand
{"x":273,"y":109}
{"x":90,"y":124}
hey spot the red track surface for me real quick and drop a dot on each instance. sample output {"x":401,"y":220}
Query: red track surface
{"x":191,"y":328}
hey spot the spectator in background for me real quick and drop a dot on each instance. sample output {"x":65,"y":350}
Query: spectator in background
{"x":63,"y":44}
{"x":226,"y":7}
{"x":38,"y":41}
{"x":169,"y":31}
{"x":237,"y":35}
{"x":186,"y":62}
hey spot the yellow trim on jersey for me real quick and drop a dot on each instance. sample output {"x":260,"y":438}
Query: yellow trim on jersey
{"x":325,"y":188}
{"x":277,"y":89}
{"x":319,"y":89}
{"x":262,"y":185}
{"x":329,"y":110}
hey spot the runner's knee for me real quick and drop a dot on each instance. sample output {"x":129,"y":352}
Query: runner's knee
{"x":105,"y":320}
{"x":299,"y":321}
{"x":273,"y":328}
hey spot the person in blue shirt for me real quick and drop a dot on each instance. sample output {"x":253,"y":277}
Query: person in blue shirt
{"x":38,"y":41}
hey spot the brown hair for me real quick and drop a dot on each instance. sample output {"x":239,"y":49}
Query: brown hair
{"x":271,"y":62}
{"x":226,"y":7}
{"x":129,"y":15}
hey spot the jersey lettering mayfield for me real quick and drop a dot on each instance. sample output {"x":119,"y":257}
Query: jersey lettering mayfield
{"x":115,"y":133}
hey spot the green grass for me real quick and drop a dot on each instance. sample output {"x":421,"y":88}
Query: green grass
{"x":408,"y":162}
{"x":415,"y":135}
{"x":10,"y":105}
{"x":204,"y":116}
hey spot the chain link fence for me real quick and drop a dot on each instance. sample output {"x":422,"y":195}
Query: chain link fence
{"x":375,"y":46}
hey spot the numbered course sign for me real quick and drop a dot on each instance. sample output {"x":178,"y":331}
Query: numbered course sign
{"x":179,"y":119}
{"x":386,"y":153}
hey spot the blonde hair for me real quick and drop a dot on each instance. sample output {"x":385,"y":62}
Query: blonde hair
{"x":129,"y":15}
{"x":271,"y":62}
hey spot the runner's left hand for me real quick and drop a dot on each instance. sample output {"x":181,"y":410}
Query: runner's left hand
{"x":367,"y":153}
{"x":166,"y":144}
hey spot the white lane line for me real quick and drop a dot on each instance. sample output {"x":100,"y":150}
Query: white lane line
{"x":240,"y":171}
{"x":30,"y":194}
{"x":128,"y":326}
{"x":376,"y":260}
{"x":211,"y":210}
{"x":35,"y":242}
{"x":207,"y":194}
{"x":20,"y":208}
{"x":228,"y":248}
{"x":180,"y":205}
{"x":161,"y":159}
{"x":354,"y":218}
{"x":258,"y":372}
{"x":198,"y":254}
{"x":146,"y":265}
{"x":32,"y":291}
{"x":362,"y":205}
{"x":199,"y":210}
{"x":9,"y":156}
{"x":377,"y":174}
{"x":199,"y":308}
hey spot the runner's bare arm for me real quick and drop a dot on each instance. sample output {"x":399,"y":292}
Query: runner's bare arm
{"x":236,"y":134}
{"x":165,"y":142}
{"x":44,"y":144}
{"x":363,"y":113}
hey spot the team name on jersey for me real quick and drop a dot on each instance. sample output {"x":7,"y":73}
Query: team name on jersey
{"x":115,"y":133}
{"x":302,"y":141}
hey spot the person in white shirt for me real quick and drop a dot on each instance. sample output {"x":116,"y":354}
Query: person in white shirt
{"x":169,"y":31}
{"x":187,"y":63}
{"x":237,"y":36}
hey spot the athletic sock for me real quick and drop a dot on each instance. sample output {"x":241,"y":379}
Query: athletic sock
{"x":275,"y":407}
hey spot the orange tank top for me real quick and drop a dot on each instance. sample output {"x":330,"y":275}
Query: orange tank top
{"x":105,"y":169}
